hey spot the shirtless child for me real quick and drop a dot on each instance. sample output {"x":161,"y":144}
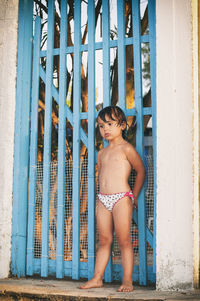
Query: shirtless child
{"x":116,"y":201}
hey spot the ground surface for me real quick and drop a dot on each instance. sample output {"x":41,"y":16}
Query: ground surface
{"x":40,"y":289}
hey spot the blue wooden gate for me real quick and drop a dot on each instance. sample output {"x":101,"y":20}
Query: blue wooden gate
{"x":61,"y":188}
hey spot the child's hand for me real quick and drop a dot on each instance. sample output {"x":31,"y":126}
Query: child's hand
{"x":135,"y":203}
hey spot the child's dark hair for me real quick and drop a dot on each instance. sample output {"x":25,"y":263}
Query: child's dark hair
{"x":114,"y":113}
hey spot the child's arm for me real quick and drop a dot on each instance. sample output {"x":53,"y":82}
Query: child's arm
{"x":136,"y":163}
{"x":99,"y":161}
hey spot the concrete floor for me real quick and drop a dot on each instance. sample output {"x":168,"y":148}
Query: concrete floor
{"x":40,"y":289}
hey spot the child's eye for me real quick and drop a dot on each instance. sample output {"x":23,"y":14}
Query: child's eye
{"x":101,"y":126}
{"x":110,"y":123}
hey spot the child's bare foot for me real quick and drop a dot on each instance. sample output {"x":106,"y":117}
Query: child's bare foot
{"x":126,"y":287}
{"x":92,"y":283}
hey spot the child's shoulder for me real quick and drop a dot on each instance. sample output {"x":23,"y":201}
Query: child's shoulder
{"x":100,"y":153}
{"x":128,"y":147}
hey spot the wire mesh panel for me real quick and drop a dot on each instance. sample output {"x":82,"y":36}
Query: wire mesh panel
{"x":68,"y":212}
{"x":87,"y":55}
{"x":83,"y":212}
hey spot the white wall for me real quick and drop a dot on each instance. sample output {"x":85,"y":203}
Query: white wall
{"x":8,"y":61}
{"x":174,"y":144}
{"x":196,"y":150}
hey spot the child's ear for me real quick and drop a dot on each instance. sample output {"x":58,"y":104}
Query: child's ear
{"x":123,"y":125}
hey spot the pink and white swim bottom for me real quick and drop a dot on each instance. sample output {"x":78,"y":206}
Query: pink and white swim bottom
{"x":110,"y":200}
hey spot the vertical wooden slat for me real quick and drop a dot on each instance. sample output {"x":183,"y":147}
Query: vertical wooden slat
{"x":121,"y":60}
{"x":76,"y":142}
{"x":47,"y":141}
{"x":106,"y":88}
{"x":21,"y":148}
{"x":152,"y":41}
{"x":121,"y":55}
{"x":106,"y":53}
{"x":91,"y":138}
{"x":33,"y":147}
{"x":139,"y":138}
{"x":61,"y":143}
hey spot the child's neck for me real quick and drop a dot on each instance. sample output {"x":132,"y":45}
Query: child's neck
{"x":116,"y":141}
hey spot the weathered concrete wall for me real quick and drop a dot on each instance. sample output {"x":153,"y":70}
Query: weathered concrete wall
{"x":8,"y":61}
{"x":174,"y":144}
{"x":196,"y":144}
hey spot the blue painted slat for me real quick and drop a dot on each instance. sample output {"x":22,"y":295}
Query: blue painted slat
{"x":121,"y":63}
{"x":147,"y":111}
{"x":135,"y":276}
{"x":98,"y":46}
{"x":132,"y":112}
{"x":106,"y":88}
{"x":84,"y":267}
{"x":106,"y":52}
{"x":84,"y":115}
{"x":152,"y":41}
{"x":16,"y":172}
{"x":121,"y":55}
{"x":139,"y":137}
{"x":149,"y":235}
{"x":61,"y":143}
{"x":68,"y":113}
{"x":91,"y":138}
{"x":21,"y":148}
{"x":47,"y":141}
{"x":76,"y":142}
{"x":33,"y":148}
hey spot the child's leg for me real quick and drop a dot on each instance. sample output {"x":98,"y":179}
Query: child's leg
{"x":122,"y":215}
{"x":105,"y":229}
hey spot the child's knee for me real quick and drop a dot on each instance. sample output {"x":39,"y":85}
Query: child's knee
{"x":123,"y":241}
{"x":105,"y":240}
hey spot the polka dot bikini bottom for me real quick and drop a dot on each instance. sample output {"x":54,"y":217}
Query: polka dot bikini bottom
{"x":110,"y":200}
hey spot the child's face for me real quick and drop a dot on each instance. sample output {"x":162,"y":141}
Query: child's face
{"x":110,"y":129}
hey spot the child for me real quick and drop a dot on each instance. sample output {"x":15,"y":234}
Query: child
{"x":116,"y":201}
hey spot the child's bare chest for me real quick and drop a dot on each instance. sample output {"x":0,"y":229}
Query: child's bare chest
{"x":111,"y":157}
